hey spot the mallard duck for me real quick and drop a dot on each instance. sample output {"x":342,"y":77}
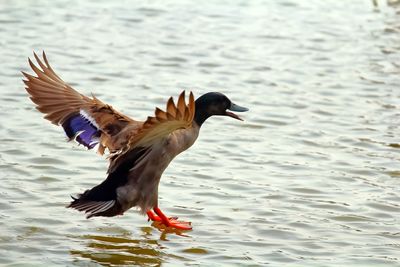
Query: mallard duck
{"x":138,"y":151}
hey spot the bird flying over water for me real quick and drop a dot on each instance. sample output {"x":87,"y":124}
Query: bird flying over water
{"x":139,"y":151}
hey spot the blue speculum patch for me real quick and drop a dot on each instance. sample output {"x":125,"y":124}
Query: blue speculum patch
{"x":80,"y":128}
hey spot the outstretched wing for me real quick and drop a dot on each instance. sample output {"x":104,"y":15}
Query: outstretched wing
{"x":87,"y":120}
{"x":157,"y":127}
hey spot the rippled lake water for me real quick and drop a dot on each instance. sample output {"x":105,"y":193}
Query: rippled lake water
{"x":311,"y":178}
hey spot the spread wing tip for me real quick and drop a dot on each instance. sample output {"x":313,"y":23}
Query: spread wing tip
{"x":180,"y":111}
{"x":175,"y":117}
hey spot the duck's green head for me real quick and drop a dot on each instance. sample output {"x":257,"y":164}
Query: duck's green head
{"x":215,"y":103}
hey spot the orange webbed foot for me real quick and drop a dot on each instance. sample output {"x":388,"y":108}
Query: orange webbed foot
{"x":181,"y":225}
{"x":171,"y":222}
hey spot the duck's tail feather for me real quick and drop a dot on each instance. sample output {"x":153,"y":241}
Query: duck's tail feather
{"x":93,"y":208}
{"x":101,"y":200}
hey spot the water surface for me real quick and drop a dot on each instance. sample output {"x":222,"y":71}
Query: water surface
{"x":311,"y":178}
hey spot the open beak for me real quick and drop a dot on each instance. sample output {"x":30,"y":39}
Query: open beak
{"x":236,"y":108}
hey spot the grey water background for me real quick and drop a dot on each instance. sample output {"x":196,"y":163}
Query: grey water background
{"x":310,"y":178}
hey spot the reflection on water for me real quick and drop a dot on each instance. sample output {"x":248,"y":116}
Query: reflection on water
{"x":144,"y":250}
{"x":121,"y":250}
{"x":377,"y":3}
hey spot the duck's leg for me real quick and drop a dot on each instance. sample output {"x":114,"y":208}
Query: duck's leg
{"x":155,"y":218}
{"x":168,"y":222}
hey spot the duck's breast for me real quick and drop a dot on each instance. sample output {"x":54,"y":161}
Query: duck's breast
{"x":142,"y":187}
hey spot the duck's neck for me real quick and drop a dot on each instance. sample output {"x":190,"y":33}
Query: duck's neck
{"x":201,"y":114}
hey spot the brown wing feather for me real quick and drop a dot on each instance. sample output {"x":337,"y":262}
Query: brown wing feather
{"x":165,"y":122}
{"x":59,"y":101}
